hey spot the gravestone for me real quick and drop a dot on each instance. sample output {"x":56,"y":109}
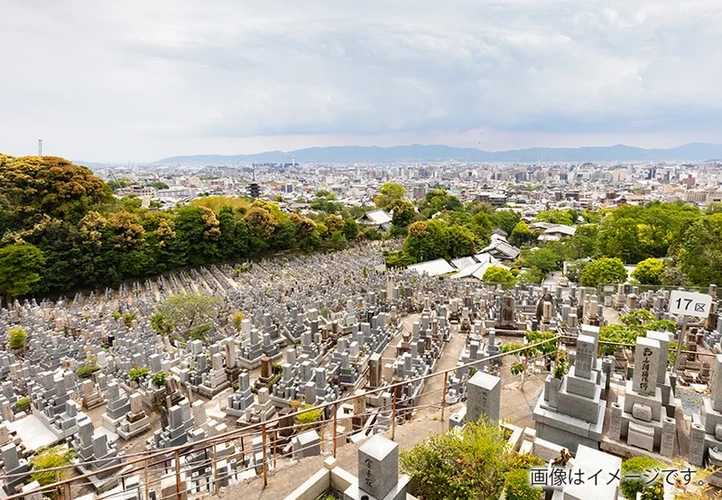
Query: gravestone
{"x":378,"y":472}
{"x":484,"y":397}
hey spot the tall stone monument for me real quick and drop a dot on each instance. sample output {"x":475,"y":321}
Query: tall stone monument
{"x":571,"y":409}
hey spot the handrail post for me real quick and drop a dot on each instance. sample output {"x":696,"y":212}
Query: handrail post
{"x":265,"y":473}
{"x":443,"y":395}
{"x":393,"y":414}
{"x":147,"y":485}
{"x":179,"y":495}
{"x":215,"y":469}
{"x":57,"y":480}
{"x":335,"y":417}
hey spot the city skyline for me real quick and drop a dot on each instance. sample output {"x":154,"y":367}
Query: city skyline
{"x":100,"y":82}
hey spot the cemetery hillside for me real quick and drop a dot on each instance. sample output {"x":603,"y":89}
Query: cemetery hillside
{"x":62,"y":229}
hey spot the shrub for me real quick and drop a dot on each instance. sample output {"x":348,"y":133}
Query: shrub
{"x":87,"y":371}
{"x":50,"y":458}
{"x":198,"y":332}
{"x":518,"y":487}
{"x":309,"y":418}
{"x":470,"y":463}
{"x":159,"y":378}
{"x":562,"y":366}
{"x":636,"y":467}
{"x":17,"y":338}
{"x":128,"y":319}
{"x":23,"y":404}
{"x":138,"y":374}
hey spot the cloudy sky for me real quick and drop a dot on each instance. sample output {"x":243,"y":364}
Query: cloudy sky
{"x":139,"y":80}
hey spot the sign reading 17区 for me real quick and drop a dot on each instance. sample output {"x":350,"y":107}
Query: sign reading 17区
{"x":690,"y":303}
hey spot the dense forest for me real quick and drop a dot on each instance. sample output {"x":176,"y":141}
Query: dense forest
{"x":62,"y":229}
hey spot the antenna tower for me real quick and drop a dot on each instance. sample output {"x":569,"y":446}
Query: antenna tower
{"x":40,"y":147}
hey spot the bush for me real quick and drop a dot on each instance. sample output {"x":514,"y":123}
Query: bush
{"x":636,"y":467}
{"x":497,"y":274}
{"x":518,"y":486}
{"x":50,"y":458}
{"x":308,"y":419}
{"x":198,"y":332}
{"x":23,"y":404}
{"x":604,"y":271}
{"x":562,"y":366}
{"x":138,"y":374}
{"x":159,"y":378}
{"x":470,"y":463}
{"x":87,"y":371}
{"x":17,"y":338}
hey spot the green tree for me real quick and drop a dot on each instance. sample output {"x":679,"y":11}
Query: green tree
{"x":649,"y":272}
{"x":188,"y":310}
{"x":350,"y":229}
{"x":389,"y":193}
{"x":20,"y":266}
{"x":161,"y":324}
{"x":505,"y":219}
{"x":497,"y":274}
{"x":545,"y":259}
{"x":566,"y":217}
{"x":33,"y":186}
{"x":605,"y":270}
{"x":521,"y":234}
{"x":17,"y":338}
{"x":427,"y":240}
{"x":461,"y":241}
{"x":402,"y":213}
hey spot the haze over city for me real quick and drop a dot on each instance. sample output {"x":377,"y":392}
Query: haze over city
{"x":105,"y":81}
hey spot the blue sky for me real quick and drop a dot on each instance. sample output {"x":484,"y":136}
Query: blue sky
{"x":140,"y":80}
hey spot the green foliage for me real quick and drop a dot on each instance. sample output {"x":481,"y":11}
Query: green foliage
{"x":158,"y":379}
{"x":497,"y":274}
{"x":517,"y":368}
{"x":399,"y":259}
{"x":51,"y":458}
{"x":402,"y":213}
{"x":566,"y":217}
{"x":545,"y":259}
{"x":575,"y":269}
{"x":308,"y":417}
{"x":161,"y":324}
{"x":128,"y":319}
{"x":521,"y":234}
{"x":20,"y":266}
{"x":649,"y":272}
{"x":237,"y":318}
{"x":198,"y":332}
{"x":17,"y":338}
{"x":138,"y":374}
{"x":186,"y":311}
{"x":561,"y":367}
{"x":471,"y":463}
{"x":87,"y":371}
{"x":116,"y":315}
{"x":505,"y":219}
{"x":23,"y":404}
{"x":510,"y":346}
{"x":604,"y":270}
{"x":390,"y":192}
{"x":633,"y":325}
{"x":634,"y":481}
{"x":518,"y":486}
{"x":549,"y":345}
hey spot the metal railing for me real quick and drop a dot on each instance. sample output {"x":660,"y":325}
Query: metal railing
{"x":156,"y":463}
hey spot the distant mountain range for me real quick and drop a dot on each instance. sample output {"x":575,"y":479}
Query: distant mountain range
{"x":370,"y":154}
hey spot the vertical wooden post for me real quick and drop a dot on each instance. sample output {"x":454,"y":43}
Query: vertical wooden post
{"x":57,"y":480}
{"x":393,"y":414}
{"x":443,"y":395}
{"x":179,"y":494}
{"x":145,"y":479}
{"x":335,"y":422}
{"x":265,"y":473}
{"x":275,"y":444}
{"x":215,"y":468}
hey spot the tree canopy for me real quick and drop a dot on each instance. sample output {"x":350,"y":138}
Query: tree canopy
{"x":189,"y":310}
{"x":604,"y":271}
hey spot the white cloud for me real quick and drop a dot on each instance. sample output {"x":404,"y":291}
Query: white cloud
{"x":103,"y":80}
